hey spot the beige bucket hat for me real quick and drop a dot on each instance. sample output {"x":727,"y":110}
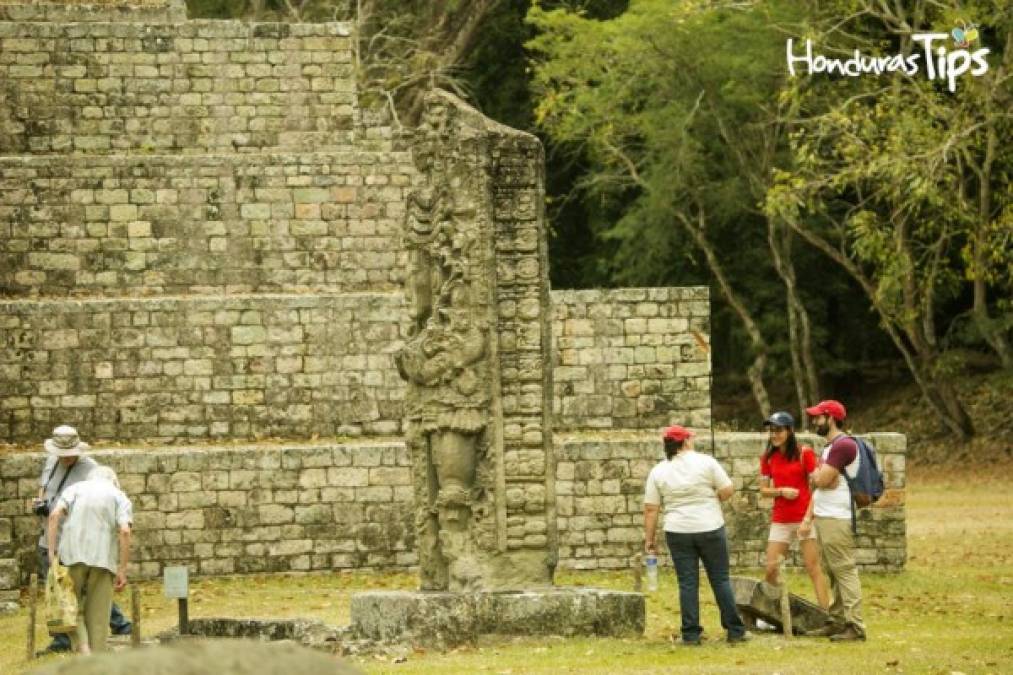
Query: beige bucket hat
{"x":65,"y":443}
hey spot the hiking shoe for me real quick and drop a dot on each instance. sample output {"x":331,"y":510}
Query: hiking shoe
{"x":739,"y":639}
{"x":827,"y":630}
{"x":849,"y":634}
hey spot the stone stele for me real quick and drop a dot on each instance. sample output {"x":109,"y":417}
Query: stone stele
{"x":479,"y":399}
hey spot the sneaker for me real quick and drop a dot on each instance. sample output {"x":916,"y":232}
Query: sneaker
{"x":738,"y":639}
{"x":828,"y":630}
{"x":849,"y":634}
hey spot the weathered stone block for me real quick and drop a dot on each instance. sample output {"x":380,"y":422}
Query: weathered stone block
{"x":274,"y":514}
{"x":348,"y":477}
{"x":185,"y":481}
{"x":449,"y":619}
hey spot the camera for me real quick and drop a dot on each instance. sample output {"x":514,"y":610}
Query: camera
{"x":40,"y":507}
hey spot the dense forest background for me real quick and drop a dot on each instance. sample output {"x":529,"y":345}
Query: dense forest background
{"x":855,"y":232}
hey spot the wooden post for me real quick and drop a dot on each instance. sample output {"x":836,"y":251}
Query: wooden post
{"x":33,"y":591}
{"x":135,"y":616}
{"x":785,"y":600}
{"x":638,"y":570}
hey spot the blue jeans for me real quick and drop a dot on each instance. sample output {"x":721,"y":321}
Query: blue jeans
{"x":118,"y":623}
{"x":687,"y":550}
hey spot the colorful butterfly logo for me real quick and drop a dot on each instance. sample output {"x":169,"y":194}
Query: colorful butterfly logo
{"x":965,"y":36}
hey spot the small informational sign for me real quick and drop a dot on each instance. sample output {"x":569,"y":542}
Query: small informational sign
{"x":176,"y":581}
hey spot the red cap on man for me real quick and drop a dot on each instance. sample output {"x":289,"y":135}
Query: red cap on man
{"x":677,"y":433}
{"x":834,"y":409}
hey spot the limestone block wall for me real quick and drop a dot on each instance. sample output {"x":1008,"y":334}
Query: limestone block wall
{"x":244,"y":356}
{"x":600,"y":486}
{"x":199,"y":235}
{"x":154,"y":85}
{"x":240,"y":510}
{"x":631,"y":358}
{"x":331,"y":505}
{"x":165,"y":11}
{"x":172,"y":368}
{"x":146,"y":156}
{"x":126,"y":225}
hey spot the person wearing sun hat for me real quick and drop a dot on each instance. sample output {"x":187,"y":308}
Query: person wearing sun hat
{"x":66,"y":464}
{"x":830,"y":514}
{"x":691,"y":486}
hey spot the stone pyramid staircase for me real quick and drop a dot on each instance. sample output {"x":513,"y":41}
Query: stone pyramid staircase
{"x":198,"y":233}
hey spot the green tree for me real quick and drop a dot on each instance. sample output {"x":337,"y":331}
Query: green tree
{"x":896,"y":180}
{"x":684,"y":149}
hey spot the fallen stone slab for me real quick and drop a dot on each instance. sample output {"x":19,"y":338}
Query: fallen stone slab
{"x":754,"y":602}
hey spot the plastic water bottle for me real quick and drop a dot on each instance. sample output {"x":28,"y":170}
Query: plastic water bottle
{"x":651,"y":561}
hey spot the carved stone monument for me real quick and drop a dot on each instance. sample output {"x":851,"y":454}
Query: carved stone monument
{"x":479,"y":398}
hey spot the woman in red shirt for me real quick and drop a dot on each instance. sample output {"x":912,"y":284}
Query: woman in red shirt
{"x":785,"y":469}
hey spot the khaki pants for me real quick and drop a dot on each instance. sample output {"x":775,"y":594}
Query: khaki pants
{"x":837,"y":549}
{"x":94,"y":587}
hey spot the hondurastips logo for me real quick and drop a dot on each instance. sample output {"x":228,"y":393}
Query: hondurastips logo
{"x":940,"y":63}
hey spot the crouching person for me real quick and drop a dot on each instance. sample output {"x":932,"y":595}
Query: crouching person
{"x":95,"y":547}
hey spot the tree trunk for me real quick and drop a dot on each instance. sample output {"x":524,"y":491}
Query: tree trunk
{"x":799,"y":335}
{"x":992,"y":335}
{"x":807,"y":356}
{"x":940,"y":393}
{"x":760,"y":348}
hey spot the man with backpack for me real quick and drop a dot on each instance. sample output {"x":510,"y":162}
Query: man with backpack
{"x":831,"y":512}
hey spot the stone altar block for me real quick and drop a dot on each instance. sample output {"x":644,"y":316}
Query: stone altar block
{"x":448,"y":619}
{"x":477,"y":360}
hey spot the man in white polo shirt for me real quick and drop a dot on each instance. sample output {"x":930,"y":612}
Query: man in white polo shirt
{"x":95,"y":546}
{"x":830,"y":512}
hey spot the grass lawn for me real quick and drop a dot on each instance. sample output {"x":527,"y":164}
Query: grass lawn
{"x":949,"y":612}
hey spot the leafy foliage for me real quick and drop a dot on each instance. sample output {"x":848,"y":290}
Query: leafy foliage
{"x":905,"y":185}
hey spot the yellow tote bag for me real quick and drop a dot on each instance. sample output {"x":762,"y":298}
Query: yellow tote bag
{"x":61,"y":601}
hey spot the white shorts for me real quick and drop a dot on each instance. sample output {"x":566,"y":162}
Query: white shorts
{"x":788,"y":532}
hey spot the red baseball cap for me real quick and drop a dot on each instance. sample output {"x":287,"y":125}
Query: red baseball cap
{"x":677,"y":433}
{"x":834,"y":409}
